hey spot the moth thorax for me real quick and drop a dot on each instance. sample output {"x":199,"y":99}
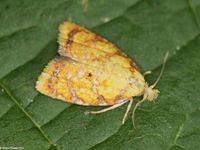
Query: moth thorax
{"x":150,"y":93}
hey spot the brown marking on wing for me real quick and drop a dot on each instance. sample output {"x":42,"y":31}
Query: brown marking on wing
{"x":70,"y":37}
{"x":102,"y":101}
{"x":53,"y":80}
{"x":120,"y":99}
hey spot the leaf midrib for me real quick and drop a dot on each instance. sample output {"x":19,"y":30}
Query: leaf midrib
{"x":27,"y":114}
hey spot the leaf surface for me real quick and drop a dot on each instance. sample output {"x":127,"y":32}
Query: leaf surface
{"x":144,"y":30}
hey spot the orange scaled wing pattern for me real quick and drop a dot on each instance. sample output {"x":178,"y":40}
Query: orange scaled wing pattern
{"x":89,"y":71}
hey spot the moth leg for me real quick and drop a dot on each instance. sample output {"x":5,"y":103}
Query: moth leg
{"x":127,"y":111}
{"x":134,"y":109}
{"x":106,"y":109}
{"x":147,"y":72}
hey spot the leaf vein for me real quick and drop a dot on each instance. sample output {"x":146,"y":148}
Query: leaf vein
{"x":27,"y":114}
{"x":194,"y":13}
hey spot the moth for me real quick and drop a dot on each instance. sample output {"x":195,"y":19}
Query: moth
{"x":92,"y":71}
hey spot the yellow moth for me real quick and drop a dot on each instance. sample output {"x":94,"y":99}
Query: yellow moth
{"x":92,"y":71}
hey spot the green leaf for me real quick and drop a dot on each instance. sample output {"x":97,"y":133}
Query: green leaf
{"x":144,"y":30}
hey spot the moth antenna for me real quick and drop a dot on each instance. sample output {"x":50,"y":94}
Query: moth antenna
{"x":162,"y":70}
{"x":134,"y":109}
{"x":151,"y":87}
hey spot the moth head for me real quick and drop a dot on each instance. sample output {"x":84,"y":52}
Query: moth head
{"x":151,"y":93}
